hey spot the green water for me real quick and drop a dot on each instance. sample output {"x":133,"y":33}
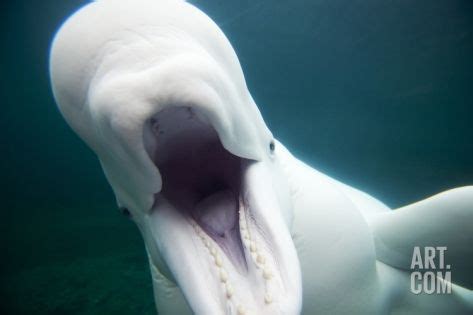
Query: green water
{"x":375,"y":93}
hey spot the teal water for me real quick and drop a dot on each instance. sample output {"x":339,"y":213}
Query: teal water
{"x":377,"y":94}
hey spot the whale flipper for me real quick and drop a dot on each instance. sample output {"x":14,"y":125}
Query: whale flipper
{"x":445,"y":219}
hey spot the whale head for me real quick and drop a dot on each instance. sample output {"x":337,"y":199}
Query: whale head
{"x":157,"y":92}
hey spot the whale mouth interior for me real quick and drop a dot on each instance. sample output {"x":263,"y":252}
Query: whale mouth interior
{"x":200,"y":178}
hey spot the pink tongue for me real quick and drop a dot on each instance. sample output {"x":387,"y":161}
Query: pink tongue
{"x":217,"y":213}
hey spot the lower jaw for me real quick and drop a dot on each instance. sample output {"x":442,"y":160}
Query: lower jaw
{"x":249,"y":288}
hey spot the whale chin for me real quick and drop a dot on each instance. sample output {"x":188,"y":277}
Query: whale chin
{"x":214,"y":221}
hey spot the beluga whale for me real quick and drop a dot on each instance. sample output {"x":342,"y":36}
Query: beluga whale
{"x":232,"y":222}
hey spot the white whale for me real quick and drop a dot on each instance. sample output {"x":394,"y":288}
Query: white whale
{"x":232,"y":222}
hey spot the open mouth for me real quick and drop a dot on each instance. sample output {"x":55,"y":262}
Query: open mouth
{"x":200,"y":178}
{"x":216,"y":221}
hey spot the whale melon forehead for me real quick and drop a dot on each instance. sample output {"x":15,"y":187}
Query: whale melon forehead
{"x":101,"y":29}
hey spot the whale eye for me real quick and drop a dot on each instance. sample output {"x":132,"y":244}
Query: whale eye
{"x":125,"y":212}
{"x":272,"y":146}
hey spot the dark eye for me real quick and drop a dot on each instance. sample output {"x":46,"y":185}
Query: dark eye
{"x":125,"y":212}
{"x":272,"y":146}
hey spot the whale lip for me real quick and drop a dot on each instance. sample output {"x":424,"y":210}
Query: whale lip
{"x":213,"y":222}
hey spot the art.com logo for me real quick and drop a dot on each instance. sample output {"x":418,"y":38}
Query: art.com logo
{"x":431,"y":274}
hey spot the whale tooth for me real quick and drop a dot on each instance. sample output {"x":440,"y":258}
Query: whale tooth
{"x":218,"y":261}
{"x":253,"y":246}
{"x":213,"y":251}
{"x":267,"y":274}
{"x":229,"y":290}
{"x":223,"y":275}
{"x":268,"y":298}
{"x":241,"y":310}
{"x":246,"y":236}
{"x":260,"y":259}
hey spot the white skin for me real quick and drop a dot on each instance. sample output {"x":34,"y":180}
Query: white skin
{"x":232,"y":222}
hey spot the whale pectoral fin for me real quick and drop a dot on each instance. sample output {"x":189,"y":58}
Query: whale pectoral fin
{"x":443,"y":220}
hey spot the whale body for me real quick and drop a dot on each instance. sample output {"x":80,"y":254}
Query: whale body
{"x":232,"y":222}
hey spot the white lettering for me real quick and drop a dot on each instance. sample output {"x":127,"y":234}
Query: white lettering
{"x":415,"y":279}
{"x":416,"y":259}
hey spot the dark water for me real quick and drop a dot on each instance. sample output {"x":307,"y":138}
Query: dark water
{"x":378,"y":94}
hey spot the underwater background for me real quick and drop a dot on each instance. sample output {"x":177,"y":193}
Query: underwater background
{"x":378,"y":94}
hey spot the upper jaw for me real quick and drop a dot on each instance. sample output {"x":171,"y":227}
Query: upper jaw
{"x":209,"y":278}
